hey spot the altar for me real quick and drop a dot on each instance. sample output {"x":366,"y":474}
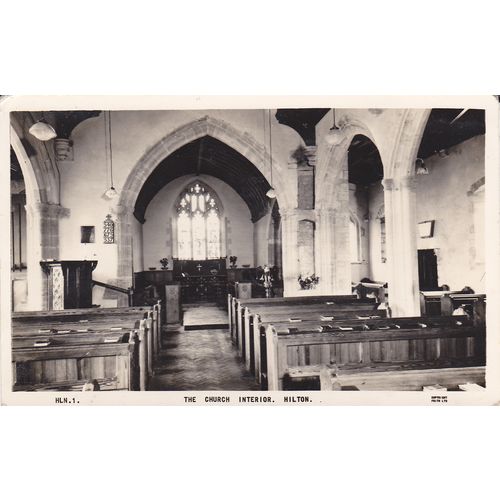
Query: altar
{"x":201,"y":280}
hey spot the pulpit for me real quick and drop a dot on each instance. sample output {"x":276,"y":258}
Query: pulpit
{"x":69,"y":283}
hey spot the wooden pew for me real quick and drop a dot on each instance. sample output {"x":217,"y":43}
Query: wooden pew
{"x":233,"y":303}
{"x":476,"y":301}
{"x":430,"y":302}
{"x":98,"y":318}
{"x":98,"y":334}
{"x":62,"y":327}
{"x":249,"y":322}
{"x":334,"y":302}
{"x":68,"y":366}
{"x":381,"y":378}
{"x":410,"y":348}
{"x":354,"y":325}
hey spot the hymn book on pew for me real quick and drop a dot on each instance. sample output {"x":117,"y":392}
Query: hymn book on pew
{"x":326,"y":318}
{"x":41,"y":343}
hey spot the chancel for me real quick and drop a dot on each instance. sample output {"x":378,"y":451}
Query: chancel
{"x":249,"y":249}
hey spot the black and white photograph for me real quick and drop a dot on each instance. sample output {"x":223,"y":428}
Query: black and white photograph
{"x":232,"y":252}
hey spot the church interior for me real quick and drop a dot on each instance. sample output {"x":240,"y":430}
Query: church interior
{"x":248,"y":249}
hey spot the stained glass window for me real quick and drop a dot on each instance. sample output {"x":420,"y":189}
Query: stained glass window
{"x":198,"y":224}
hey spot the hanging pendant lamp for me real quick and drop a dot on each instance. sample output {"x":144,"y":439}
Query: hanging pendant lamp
{"x":42,"y":130}
{"x":111,"y":192}
{"x":335,"y":135}
{"x":271,"y":193}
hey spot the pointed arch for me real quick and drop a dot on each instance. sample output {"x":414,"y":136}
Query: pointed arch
{"x":330,"y":169}
{"x":243,"y":143}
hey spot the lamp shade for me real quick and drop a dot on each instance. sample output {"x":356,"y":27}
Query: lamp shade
{"x":42,"y":131}
{"x":335,"y":136}
{"x":271,"y":193}
{"x":110,"y":193}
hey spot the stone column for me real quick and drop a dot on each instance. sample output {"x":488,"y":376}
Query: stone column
{"x":333,"y":236}
{"x":334,"y":267}
{"x":42,"y":224}
{"x":289,"y":228}
{"x":305,"y":180}
{"x":401,"y":237}
{"x":325,"y":249}
{"x":123,"y":228}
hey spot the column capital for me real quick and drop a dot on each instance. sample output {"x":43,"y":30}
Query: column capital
{"x":388,"y":184}
{"x":48,"y":210}
{"x":288,"y":213}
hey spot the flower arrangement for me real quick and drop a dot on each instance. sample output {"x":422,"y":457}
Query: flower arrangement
{"x":308,"y":282}
{"x":164,"y":263}
{"x":232,"y":260}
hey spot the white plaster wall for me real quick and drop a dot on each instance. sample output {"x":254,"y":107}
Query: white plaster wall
{"x":378,"y":269}
{"x":358,"y":205}
{"x":84,"y":180}
{"x":442,"y":196}
{"x":159,"y":243}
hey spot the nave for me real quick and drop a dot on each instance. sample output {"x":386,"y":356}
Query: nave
{"x":200,"y":357}
{"x":349,"y":254}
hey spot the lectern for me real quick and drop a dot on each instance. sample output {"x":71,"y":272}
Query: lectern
{"x":69,"y":283}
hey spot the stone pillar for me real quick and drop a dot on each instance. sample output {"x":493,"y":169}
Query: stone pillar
{"x":123,"y":228}
{"x":42,"y":224}
{"x":334,"y":267}
{"x":333,"y":236}
{"x":401,"y":237}
{"x":290,"y":252}
{"x":305,"y":180}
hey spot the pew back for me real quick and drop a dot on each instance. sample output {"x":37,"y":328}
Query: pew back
{"x":442,"y":345}
{"x":71,"y":365}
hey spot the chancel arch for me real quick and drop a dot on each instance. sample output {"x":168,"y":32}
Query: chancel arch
{"x":213,"y":147}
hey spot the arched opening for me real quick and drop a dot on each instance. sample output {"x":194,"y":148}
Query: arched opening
{"x":28,"y":292}
{"x":365,"y":171}
{"x":201,"y":207}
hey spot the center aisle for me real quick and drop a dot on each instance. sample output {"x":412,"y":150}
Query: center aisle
{"x":201,"y":359}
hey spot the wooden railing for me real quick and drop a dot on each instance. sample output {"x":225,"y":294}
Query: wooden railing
{"x":128,"y":291}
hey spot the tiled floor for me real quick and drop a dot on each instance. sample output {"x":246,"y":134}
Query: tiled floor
{"x":200,"y":360}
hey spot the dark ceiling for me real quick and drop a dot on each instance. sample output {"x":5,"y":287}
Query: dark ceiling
{"x":440,"y":133}
{"x":211,"y":157}
{"x":303,"y":121}
{"x":66,"y":121}
{"x":365,"y":164}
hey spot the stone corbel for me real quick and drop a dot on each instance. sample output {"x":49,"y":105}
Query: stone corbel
{"x":305,"y":157}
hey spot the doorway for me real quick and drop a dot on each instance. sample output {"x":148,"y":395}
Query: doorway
{"x":427,"y":270}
